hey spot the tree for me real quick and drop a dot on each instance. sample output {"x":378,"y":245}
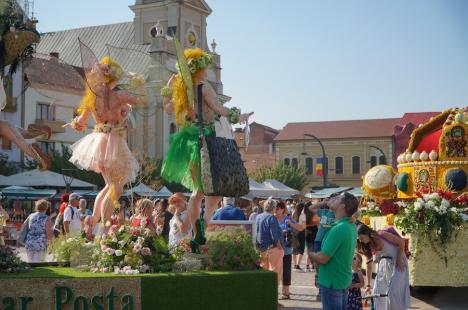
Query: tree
{"x":294,"y":177}
{"x":61,"y":164}
{"x":7,"y":167}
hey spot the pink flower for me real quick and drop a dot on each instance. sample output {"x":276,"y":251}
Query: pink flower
{"x":110,"y":251}
{"x":146,"y":251}
{"x":113,"y":229}
{"x":136,"y":248}
{"x":104,"y":269}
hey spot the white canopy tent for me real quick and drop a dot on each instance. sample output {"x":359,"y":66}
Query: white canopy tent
{"x":141,"y":190}
{"x":281,"y":190}
{"x":38,"y":178}
{"x":164,"y":192}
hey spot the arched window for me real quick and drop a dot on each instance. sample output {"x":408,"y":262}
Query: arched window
{"x":339,"y":165}
{"x":373,"y":161}
{"x":356,"y":165}
{"x":172,"y":128}
{"x":309,"y":163}
{"x":287,"y":162}
{"x":382,"y":160}
{"x":295,"y":162}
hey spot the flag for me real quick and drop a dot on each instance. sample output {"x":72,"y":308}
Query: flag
{"x":319,"y":167}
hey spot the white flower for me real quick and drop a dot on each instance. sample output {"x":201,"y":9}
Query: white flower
{"x":70,"y":240}
{"x":434,"y":196}
{"x":445,"y":203}
{"x":421,"y":201}
{"x":426,"y":197}
{"x":114,"y":239}
{"x":436,"y":209}
{"x":442,"y":210}
{"x":121,"y":243}
{"x":116,"y":269}
{"x":430,"y":204}
{"x":418,"y":206}
{"x":118,"y":253}
{"x":121,"y":229}
{"x":110,"y":251}
{"x":453,"y":209}
{"x":401,"y":204}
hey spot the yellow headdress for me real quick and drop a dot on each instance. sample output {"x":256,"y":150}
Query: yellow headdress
{"x":197,"y":60}
{"x":115,"y":74}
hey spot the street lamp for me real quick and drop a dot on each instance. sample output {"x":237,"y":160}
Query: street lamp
{"x":384,"y":161}
{"x":324,"y":161}
{"x":67,"y":179}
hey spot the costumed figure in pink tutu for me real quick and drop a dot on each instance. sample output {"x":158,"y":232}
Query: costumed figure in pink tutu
{"x":105,"y":150}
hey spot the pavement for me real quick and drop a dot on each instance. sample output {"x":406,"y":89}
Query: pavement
{"x":304,"y":294}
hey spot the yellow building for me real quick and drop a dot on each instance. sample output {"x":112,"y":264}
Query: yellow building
{"x":351,"y":147}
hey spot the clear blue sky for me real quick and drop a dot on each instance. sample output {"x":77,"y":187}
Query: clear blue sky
{"x":310,"y":60}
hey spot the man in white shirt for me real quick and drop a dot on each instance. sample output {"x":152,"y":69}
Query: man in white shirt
{"x":71,"y":216}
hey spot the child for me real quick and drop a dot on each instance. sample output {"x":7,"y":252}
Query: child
{"x":354,"y":292}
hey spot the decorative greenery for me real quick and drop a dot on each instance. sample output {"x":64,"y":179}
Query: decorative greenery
{"x":294,"y":177}
{"x":234,"y":114}
{"x":10,"y":262}
{"x":67,"y":249}
{"x":227,"y":249}
{"x":132,"y":250}
{"x":436,"y":217}
{"x":232,"y":249}
{"x":7,"y":167}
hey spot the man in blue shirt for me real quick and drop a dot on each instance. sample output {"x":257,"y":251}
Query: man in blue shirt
{"x":229,"y":212}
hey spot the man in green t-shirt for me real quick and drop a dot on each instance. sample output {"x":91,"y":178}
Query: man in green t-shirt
{"x":336,"y":256}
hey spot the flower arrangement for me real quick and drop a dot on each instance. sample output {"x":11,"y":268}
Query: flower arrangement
{"x":372,"y":209}
{"x":227,"y":249}
{"x":74,"y":250}
{"x":131,"y":250}
{"x":10,"y":262}
{"x":437,"y":216}
{"x":232,"y":249}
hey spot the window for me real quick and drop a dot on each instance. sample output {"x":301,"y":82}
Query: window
{"x":45,"y":112}
{"x":373,"y":161}
{"x":309,"y":163}
{"x":295,"y":163}
{"x":339,"y":165}
{"x":47,"y":147}
{"x":286,"y":162}
{"x":356,"y":165}
{"x":382,"y":160}
{"x":172,"y":128}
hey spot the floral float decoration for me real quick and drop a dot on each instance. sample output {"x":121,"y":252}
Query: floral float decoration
{"x":10,"y":261}
{"x":436,"y":217}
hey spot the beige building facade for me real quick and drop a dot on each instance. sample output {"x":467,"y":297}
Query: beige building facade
{"x":351,"y":148}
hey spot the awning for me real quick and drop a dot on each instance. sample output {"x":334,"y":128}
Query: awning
{"x":27,"y":193}
{"x":38,"y":178}
{"x":327,"y":192}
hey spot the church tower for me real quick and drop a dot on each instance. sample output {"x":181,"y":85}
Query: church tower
{"x":153,"y":21}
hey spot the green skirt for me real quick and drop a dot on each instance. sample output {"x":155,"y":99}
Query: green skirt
{"x":183,"y":158}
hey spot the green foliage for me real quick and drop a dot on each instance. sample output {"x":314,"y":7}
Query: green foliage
{"x":66,"y":249}
{"x":232,"y":249}
{"x":6,"y":167}
{"x":294,"y":177}
{"x":10,"y":262}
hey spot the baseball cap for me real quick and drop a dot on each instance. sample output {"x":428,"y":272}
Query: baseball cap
{"x":74,"y":196}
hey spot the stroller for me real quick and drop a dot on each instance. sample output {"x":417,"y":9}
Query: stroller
{"x":373,"y":296}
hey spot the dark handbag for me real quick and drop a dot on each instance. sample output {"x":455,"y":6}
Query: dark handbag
{"x":24,"y":232}
{"x":222,"y":169}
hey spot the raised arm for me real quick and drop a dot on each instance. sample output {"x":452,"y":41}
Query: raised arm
{"x":80,"y":122}
{"x":401,"y":247}
{"x":166,"y":92}
{"x":232,"y":114}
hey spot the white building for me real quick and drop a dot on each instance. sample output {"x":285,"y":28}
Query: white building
{"x":53,"y":100}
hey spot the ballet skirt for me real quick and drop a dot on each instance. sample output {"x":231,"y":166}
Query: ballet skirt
{"x":106,"y":148}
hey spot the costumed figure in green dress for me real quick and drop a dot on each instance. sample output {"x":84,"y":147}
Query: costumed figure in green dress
{"x":182,"y":163}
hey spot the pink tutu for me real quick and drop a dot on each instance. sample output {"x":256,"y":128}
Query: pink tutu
{"x":100,"y":151}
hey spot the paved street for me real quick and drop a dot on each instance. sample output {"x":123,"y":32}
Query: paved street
{"x":303,"y":295}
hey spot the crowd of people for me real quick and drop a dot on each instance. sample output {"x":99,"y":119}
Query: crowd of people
{"x":327,"y":232}
{"x":336,"y":243}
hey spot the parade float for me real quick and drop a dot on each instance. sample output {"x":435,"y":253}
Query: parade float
{"x":426,"y":200}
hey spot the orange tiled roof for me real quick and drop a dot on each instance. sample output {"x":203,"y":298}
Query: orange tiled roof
{"x":368,"y":128}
